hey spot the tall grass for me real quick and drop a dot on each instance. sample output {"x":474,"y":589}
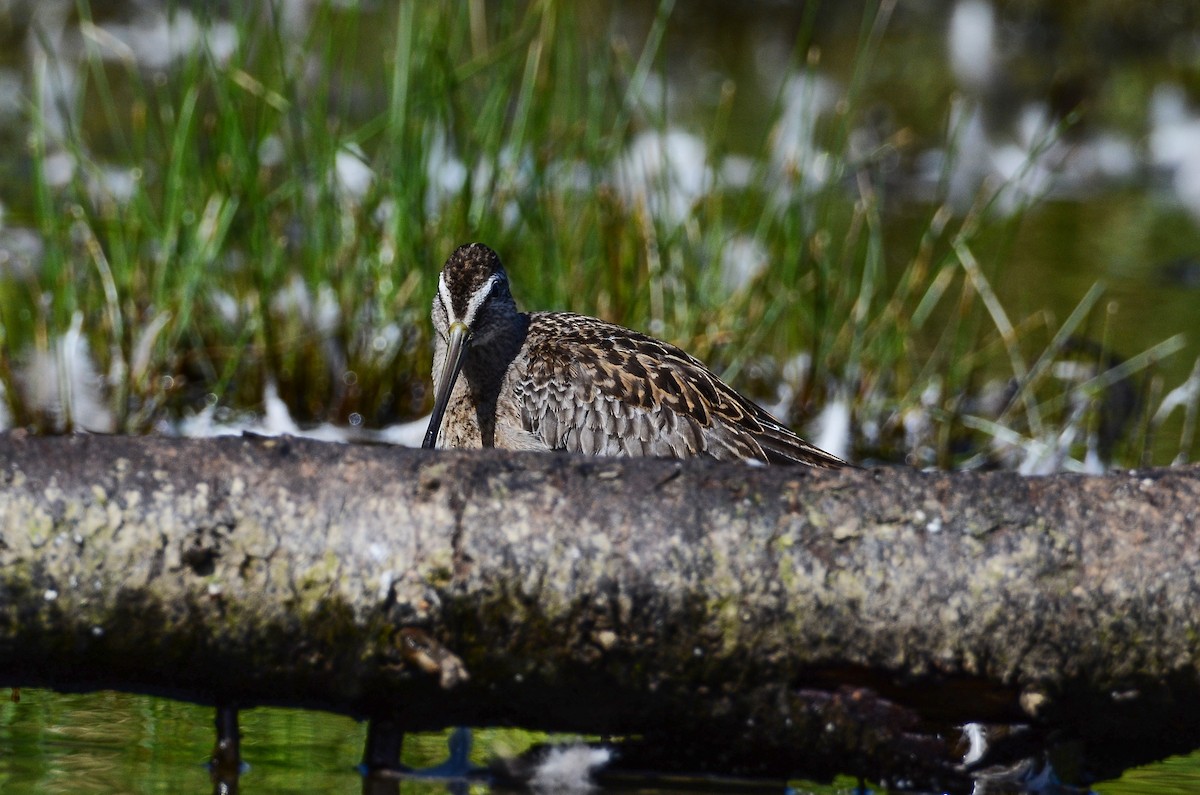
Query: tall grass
{"x":292,"y":199}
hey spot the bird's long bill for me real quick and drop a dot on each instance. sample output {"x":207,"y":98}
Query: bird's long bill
{"x":456,"y":353}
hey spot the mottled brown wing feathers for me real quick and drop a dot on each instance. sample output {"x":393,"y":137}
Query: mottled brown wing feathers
{"x":598,"y":388}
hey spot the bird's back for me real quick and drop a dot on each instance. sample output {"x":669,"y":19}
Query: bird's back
{"x":584,"y":385}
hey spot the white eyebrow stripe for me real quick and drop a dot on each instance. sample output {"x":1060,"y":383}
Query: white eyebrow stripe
{"x":444,"y":292}
{"x":478,"y":297}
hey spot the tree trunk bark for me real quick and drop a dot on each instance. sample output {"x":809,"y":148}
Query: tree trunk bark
{"x":780,"y":621}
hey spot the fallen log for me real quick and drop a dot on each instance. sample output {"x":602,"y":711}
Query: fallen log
{"x":774,"y":621}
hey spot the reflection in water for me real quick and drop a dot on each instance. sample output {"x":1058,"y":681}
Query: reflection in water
{"x":226,"y":765}
{"x":114,"y":742}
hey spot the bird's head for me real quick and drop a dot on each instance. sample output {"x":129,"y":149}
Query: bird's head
{"x":473,"y":304}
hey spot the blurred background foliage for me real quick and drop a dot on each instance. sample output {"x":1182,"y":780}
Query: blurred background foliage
{"x":941,"y":233}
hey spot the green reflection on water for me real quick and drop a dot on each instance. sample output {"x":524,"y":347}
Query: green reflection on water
{"x":116,"y":742}
{"x":1179,"y":774}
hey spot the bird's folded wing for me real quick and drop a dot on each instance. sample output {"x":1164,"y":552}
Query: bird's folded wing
{"x":601,"y":389}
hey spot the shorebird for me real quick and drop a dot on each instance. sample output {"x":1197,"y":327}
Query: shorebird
{"x":561,"y":381}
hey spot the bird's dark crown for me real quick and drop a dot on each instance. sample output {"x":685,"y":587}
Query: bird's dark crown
{"x":468,"y":270}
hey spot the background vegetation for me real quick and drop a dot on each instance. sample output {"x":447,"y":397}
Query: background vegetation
{"x":268,"y":211}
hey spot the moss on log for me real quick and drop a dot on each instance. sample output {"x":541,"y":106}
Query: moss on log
{"x":769,"y":620}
